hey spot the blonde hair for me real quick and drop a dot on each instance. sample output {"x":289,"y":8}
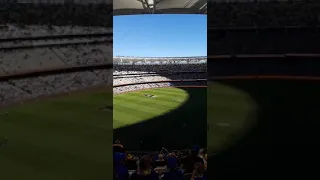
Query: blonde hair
{"x":160,"y":157}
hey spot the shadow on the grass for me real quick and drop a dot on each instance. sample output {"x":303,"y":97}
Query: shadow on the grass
{"x":288,"y":124}
{"x":178,"y":129}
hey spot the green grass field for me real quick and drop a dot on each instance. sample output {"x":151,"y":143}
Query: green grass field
{"x":231,"y":112}
{"x":134,"y":107}
{"x":285,"y":130}
{"x":66,"y":138}
{"x":172,"y":117}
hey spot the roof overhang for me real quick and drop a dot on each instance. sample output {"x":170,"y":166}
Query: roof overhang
{"x":135,"y":7}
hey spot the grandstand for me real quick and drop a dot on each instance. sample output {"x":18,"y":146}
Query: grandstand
{"x":54,"y":76}
{"x":25,"y":55}
{"x":68,"y":14}
{"x":267,"y":51}
{"x":133,"y":70}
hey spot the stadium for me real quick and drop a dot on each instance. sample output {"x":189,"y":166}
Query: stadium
{"x":55,"y":81}
{"x":267,"y":50}
{"x":156,"y":94}
{"x":159,"y":102}
{"x":166,"y":91}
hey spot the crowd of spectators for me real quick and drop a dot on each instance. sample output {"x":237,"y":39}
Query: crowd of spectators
{"x":29,"y":88}
{"x":57,"y":53}
{"x":135,"y":87}
{"x":28,"y":60}
{"x":291,"y":65}
{"x":257,"y":40}
{"x":57,"y":14}
{"x":263,"y":27}
{"x":123,"y":89}
{"x":24,"y":60}
{"x":189,"y":164}
{"x":136,"y":77}
{"x":131,"y":79}
{"x":172,"y":67}
{"x":5,"y":46}
{"x":263,"y":13}
{"x":16,"y":31}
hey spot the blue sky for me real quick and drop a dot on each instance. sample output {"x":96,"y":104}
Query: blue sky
{"x":160,"y":35}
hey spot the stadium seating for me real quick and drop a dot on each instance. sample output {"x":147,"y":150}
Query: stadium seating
{"x":57,"y":14}
{"x":51,"y":57}
{"x":44,"y":22}
{"x":26,"y":60}
{"x":263,"y":27}
{"x":263,"y":13}
{"x":136,"y":77}
{"x":35,"y":87}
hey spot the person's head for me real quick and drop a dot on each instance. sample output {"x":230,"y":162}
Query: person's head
{"x":117,"y":142}
{"x":160,"y":157}
{"x":195,"y":150}
{"x":145,"y":163}
{"x":201,"y":151}
{"x":136,"y":158}
{"x":172,"y":154}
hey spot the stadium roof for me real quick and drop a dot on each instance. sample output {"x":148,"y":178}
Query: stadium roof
{"x":134,"y":7}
